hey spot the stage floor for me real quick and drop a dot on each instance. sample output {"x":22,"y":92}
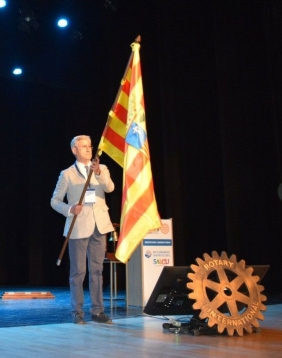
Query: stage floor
{"x":51,"y":311}
{"x":43,"y":328}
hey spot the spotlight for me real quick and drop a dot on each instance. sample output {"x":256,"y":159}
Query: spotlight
{"x":3,"y":3}
{"x":17,"y":71}
{"x":62,"y":23}
{"x":27,"y":20}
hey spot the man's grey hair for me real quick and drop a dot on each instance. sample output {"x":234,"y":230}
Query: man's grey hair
{"x":78,"y":138}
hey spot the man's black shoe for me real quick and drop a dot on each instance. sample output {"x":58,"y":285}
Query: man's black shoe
{"x":101,"y":318}
{"x":78,"y":319}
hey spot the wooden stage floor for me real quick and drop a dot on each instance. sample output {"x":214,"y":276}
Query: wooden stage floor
{"x":137,"y":336}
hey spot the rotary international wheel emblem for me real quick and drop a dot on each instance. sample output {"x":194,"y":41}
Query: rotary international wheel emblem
{"x":226,"y":293}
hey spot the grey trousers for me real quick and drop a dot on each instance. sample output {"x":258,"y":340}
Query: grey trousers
{"x":93,"y":248}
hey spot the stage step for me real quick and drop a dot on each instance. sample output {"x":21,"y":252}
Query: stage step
{"x":25,"y":295}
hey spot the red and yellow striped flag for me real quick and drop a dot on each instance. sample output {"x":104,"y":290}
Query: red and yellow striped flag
{"x":113,"y":137}
{"x":139,"y":208}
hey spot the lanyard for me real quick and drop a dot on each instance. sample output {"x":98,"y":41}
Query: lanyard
{"x":79,"y":170}
{"x":81,"y":173}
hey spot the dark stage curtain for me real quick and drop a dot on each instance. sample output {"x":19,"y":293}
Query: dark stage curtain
{"x":212,"y":85}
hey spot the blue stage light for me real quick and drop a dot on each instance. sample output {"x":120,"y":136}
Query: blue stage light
{"x":62,"y":23}
{"x":3,"y":3}
{"x":17,"y":71}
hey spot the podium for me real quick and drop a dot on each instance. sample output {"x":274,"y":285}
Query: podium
{"x":147,"y":262}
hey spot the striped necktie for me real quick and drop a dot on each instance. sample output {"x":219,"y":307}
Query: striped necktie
{"x":87,"y":170}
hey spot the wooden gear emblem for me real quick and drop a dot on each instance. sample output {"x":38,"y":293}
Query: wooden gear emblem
{"x":226,"y":293}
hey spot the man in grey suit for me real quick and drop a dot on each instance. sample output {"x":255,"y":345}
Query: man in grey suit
{"x":88,"y":237}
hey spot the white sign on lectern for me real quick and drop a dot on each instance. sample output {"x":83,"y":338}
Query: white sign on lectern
{"x":147,"y":262}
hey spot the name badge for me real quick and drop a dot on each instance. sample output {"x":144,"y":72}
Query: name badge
{"x":90,"y":197}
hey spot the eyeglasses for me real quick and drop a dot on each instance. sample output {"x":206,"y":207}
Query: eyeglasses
{"x":85,"y":147}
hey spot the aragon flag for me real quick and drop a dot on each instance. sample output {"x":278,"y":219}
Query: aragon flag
{"x":125,"y":140}
{"x":113,"y":137}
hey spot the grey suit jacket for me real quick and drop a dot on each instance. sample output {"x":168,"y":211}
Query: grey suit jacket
{"x":70,"y":185}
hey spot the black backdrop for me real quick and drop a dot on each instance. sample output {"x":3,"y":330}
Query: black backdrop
{"x":212,"y":85}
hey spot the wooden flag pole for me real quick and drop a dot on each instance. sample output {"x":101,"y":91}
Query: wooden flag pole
{"x":75,"y":216}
